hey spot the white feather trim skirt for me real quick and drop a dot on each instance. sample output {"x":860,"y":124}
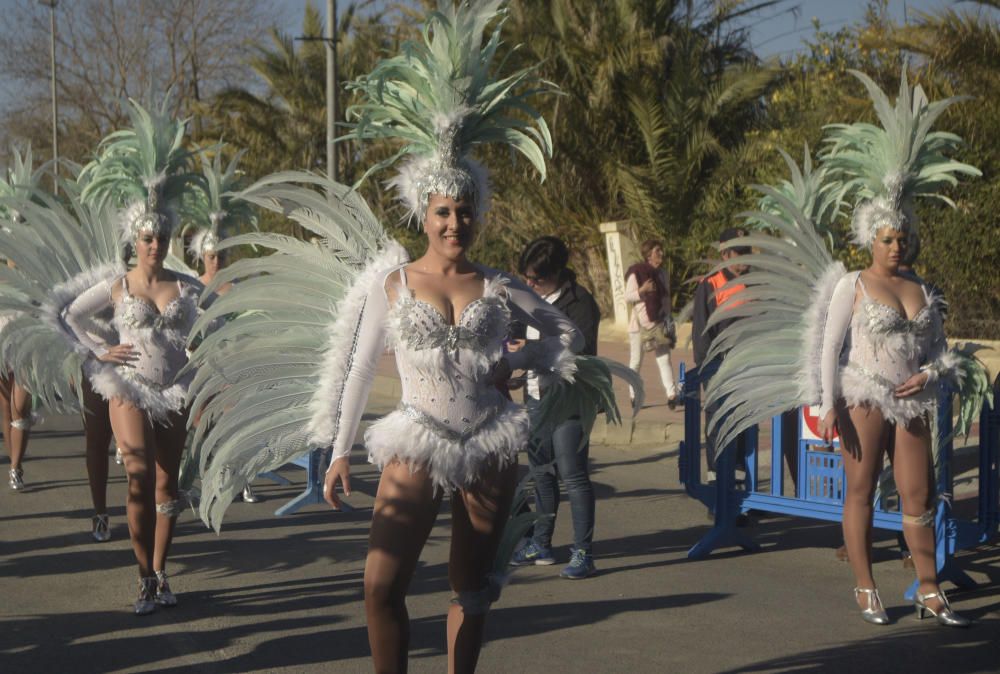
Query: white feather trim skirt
{"x":454,"y":460}
{"x":119,"y":381}
{"x":867,"y":388}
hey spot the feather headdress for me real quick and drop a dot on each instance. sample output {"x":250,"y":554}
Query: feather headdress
{"x":21,"y":181}
{"x":810,"y":190}
{"x":213,"y":210}
{"x":441,"y":98}
{"x":144,"y":170}
{"x":886,"y":166}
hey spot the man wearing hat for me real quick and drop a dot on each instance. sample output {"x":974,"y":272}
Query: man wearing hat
{"x":713,"y":294}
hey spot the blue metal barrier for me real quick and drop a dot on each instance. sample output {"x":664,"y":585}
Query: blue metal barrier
{"x":821,"y":484}
{"x":315,"y":463}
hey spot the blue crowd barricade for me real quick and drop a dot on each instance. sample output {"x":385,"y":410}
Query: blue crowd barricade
{"x":820,"y":484}
{"x":315,"y":463}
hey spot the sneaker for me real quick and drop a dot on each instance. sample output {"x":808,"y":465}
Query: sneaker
{"x":102,"y":529}
{"x":146,"y":602}
{"x":581,"y":565}
{"x":532,"y":553}
{"x":164,"y":597}
{"x":16,"y":479}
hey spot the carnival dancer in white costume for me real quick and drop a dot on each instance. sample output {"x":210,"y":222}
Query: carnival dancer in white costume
{"x":81,"y":244}
{"x":872,"y":346}
{"x":144,"y":172}
{"x":15,"y":399}
{"x":215,"y":215}
{"x":294,"y":372}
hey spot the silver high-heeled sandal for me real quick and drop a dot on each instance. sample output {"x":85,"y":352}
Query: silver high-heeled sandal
{"x":164,"y":597}
{"x":102,"y":528}
{"x":944,"y":615}
{"x":16,"y":479}
{"x":874,"y":614}
{"x":146,"y":602}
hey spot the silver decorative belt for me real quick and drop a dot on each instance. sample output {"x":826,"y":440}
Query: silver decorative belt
{"x":443,"y":428}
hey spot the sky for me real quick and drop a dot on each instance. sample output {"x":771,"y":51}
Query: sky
{"x":778,"y":31}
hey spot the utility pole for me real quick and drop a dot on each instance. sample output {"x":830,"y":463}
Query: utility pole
{"x":331,"y":89}
{"x":51,"y":4}
{"x":330,"y":39}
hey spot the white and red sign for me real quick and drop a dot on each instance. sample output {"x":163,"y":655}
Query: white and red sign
{"x":810,"y":424}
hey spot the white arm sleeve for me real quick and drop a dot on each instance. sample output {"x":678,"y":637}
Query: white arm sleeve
{"x":632,"y":290}
{"x":360,"y":361}
{"x":553,"y":353}
{"x":838,"y":321}
{"x":78,"y":319}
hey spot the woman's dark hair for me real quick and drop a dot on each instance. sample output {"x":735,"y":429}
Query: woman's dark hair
{"x":647,"y":247}
{"x":912,"y":251}
{"x":546,"y":256}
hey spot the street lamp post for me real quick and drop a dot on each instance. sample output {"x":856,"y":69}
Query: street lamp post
{"x":51,"y":4}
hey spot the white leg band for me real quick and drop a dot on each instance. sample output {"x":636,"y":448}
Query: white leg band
{"x":924,"y":520}
{"x":170,"y":508}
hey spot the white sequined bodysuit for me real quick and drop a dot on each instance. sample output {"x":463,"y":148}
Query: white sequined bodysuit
{"x":159,"y":339}
{"x":871,"y":348}
{"x":451,"y":419}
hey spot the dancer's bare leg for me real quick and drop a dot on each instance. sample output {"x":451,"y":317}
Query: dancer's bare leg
{"x":15,"y":403}
{"x":169,"y":447}
{"x":404,"y":513}
{"x":97,"y":433}
{"x":862,"y":439}
{"x":135,"y":437}
{"x":478,"y":516}
{"x":6,"y":384}
{"x":914,"y":473}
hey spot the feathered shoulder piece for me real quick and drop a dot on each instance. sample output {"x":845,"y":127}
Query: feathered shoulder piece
{"x":772,"y":354}
{"x":67,"y":247}
{"x":212,"y":211}
{"x":268,"y":379}
{"x":441,"y":97}
{"x":886,"y":166}
{"x":144,"y":170}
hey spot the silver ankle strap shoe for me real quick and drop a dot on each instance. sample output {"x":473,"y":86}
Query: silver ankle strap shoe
{"x":874,"y":613}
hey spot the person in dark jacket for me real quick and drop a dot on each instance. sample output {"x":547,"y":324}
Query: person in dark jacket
{"x":715,"y":294}
{"x":543,"y":265}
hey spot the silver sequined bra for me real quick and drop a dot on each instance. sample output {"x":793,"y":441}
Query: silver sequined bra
{"x":159,"y":337}
{"x":445,"y":369}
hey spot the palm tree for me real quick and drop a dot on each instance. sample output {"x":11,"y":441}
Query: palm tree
{"x":656,"y":93}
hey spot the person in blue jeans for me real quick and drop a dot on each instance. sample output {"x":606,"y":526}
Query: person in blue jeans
{"x":565,"y":453}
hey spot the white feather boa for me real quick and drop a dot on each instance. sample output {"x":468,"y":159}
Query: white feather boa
{"x":158,"y":403}
{"x":452,"y":464}
{"x":63,"y":295}
{"x":811,"y":357}
{"x":860,"y":389}
{"x":339,"y":345}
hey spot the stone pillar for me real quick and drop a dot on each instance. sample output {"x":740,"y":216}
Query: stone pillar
{"x":622,"y":253}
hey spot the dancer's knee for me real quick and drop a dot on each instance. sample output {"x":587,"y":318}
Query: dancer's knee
{"x":859,"y":494}
{"x":476,"y":601}
{"x":915,"y":500}
{"x":383,"y":593}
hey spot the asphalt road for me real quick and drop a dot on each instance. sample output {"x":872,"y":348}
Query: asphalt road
{"x":284,"y":594}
